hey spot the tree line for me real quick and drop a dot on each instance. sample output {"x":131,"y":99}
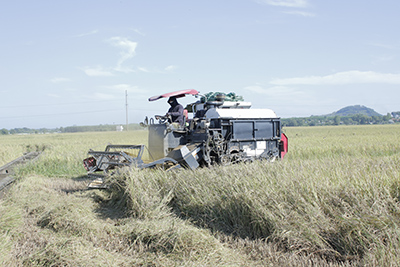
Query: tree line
{"x":69,"y":129}
{"x":355,"y":119}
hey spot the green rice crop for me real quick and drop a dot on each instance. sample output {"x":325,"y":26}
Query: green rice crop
{"x":333,"y":201}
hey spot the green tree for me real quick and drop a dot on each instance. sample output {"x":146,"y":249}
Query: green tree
{"x":346,"y":120}
{"x":336,"y":120}
{"x":387,"y":117}
{"x":377,"y":119}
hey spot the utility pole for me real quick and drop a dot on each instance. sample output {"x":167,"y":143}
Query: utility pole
{"x":126,"y":108}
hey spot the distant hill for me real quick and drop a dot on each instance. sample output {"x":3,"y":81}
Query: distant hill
{"x":351,"y":115}
{"x":357,"y":109}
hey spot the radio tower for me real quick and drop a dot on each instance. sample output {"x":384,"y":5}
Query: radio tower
{"x":126,"y":108}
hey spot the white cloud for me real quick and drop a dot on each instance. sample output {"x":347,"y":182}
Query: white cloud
{"x":138,"y":32}
{"x":285,"y":3}
{"x":385,"y":46}
{"x":171,"y":68}
{"x":102,"y":96}
{"x":274,"y":91}
{"x":126,"y":87}
{"x":257,"y":89}
{"x":124,"y":69}
{"x":88,"y":33}
{"x":59,"y":80}
{"x":30,"y":43}
{"x":143,"y":69}
{"x":127,"y":50}
{"x":279,"y":98}
{"x":300,"y":13}
{"x":54,"y":95}
{"x":347,"y":77}
{"x":384,"y":58}
{"x":96,"y":71}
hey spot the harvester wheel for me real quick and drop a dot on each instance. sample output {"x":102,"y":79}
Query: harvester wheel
{"x":225,"y":160}
{"x":236,"y":157}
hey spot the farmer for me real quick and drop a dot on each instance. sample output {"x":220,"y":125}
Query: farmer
{"x":175,"y":111}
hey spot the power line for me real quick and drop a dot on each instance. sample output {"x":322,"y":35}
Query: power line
{"x":59,"y":114}
{"x":60,"y":104}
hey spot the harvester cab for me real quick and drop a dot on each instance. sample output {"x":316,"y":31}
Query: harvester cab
{"x":221,"y":129}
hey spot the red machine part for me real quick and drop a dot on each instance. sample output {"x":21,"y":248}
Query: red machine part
{"x":177,"y":94}
{"x":89,"y":163}
{"x":284,"y":145}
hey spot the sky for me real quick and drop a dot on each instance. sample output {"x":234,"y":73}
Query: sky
{"x":65,"y":63}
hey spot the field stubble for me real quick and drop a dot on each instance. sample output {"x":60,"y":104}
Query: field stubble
{"x":333,"y":201}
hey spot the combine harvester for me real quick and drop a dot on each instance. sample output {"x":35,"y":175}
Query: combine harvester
{"x":223,"y":130}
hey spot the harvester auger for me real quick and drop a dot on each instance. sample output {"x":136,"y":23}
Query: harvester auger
{"x":223,"y":129}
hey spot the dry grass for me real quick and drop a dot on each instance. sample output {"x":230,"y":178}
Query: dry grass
{"x":333,"y":201}
{"x":79,"y":229}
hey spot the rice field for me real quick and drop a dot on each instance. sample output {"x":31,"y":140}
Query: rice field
{"x":333,"y":201}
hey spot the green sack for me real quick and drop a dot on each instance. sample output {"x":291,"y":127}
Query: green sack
{"x":231,"y":97}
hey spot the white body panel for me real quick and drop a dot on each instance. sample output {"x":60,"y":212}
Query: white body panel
{"x":261,"y":146}
{"x":215,"y":113}
{"x":239,"y":104}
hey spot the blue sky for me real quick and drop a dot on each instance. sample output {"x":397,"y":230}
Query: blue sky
{"x":66,"y":63}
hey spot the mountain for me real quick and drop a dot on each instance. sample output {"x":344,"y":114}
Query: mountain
{"x":357,"y":109}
